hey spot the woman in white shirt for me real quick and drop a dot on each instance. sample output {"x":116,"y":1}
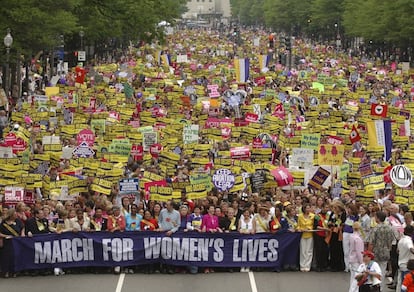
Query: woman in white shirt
{"x":80,"y":222}
{"x":247,"y":225}
{"x":262,"y":220}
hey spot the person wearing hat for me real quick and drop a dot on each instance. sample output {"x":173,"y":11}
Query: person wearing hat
{"x":369,"y":273}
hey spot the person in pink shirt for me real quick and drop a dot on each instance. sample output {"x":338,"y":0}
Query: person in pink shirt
{"x":210,"y":222}
{"x":356,"y":248}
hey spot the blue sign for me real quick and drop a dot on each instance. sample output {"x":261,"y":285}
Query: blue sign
{"x":128,"y":185}
{"x":106,"y":249}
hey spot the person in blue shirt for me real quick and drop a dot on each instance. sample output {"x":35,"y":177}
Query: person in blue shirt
{"x":133,"y":219}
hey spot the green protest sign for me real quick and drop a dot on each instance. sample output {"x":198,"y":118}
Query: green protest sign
{"x":202,"y":179}
{"x":121,"y":147}
{"x":310,"y":141}
{"x":98,"y":126}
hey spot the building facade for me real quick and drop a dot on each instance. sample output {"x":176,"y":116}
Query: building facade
{"x":208,"y":9}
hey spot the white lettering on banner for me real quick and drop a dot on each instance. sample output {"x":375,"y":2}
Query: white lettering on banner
{"x":65,"y":250}
{"x":118,"y":249}
{"x":183,"y":249}
{"x":197,"y":249}
{"x":260,"y":250}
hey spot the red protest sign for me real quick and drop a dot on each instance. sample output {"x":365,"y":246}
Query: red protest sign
{"x":242,"y":152}
{"x":260,"y":81}
{"x":282,"y":175}
{"x":334,"y":140}
{"x":87,"y":136}
{"x":148,"y":185}
{"x":137,"y":152}
{"x":251,"y":118}
{"x":257,"y":143}
{"x":155,"y":150}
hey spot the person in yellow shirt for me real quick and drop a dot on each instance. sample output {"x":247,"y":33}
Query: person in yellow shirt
{"x":306,"y":222}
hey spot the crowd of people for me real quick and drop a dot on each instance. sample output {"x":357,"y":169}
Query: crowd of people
{"x":344,"y":231}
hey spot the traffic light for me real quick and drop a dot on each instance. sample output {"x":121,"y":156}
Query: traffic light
{"x":288,"y":43}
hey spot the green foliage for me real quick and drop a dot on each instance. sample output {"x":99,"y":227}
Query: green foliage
{"x":380,"y":21}
{"x":37,"y":25}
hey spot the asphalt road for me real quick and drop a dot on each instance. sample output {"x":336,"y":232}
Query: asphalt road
{"x":228,"y":282}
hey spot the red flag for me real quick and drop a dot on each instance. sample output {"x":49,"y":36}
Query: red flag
{"x":354,"y":135}
{"x":80,"y":75}
{"x":279,"y":111}
{"x":379,"y":110}
{"x":387,"y":174}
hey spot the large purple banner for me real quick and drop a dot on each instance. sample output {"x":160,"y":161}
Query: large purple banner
{"x":140,"y":248}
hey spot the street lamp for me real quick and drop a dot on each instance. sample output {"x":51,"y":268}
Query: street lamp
{"x":8,"y":41}
{"x":81,"y":34}
{"x":338,"y":37}
{"x":61,"y":53}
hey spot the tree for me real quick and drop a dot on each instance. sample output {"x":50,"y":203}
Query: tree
{"x":324,"y":15}
{"x":33,"y":26}
{"x":290,"y":16}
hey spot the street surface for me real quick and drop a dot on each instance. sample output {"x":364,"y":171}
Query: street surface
{"x":229,"y":282}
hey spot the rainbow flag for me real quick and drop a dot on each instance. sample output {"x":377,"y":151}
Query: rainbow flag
{"x":241,"y":67}
{"x":380,"y":135}
{"x":165,"y":60}
{"x":157,"y":56}
{"x":263,"y":61}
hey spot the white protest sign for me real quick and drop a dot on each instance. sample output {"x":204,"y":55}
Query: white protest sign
{"x":401,"y":176}
{"x":301,"y":157}
{"x":190,"y":134}
{"x":405,"y":67}
{"x":50,"y":140}
{"x":149,"y":139}
{"x":182,"y":59}
{"x":6,"y":152}
{"x":67,"y":152}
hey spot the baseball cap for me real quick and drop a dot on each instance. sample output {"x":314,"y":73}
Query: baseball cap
{"x":369,"y":254}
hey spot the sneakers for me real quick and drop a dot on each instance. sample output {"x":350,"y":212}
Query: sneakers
{"x":244,"y":269}
{"x":117,"y":270}
{"x":58,"y":271}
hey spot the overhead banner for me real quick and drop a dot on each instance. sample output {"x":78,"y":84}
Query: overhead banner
{"x":105,"y":249}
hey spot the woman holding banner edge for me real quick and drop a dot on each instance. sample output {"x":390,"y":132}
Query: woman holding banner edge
{"x":9,"y":228}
